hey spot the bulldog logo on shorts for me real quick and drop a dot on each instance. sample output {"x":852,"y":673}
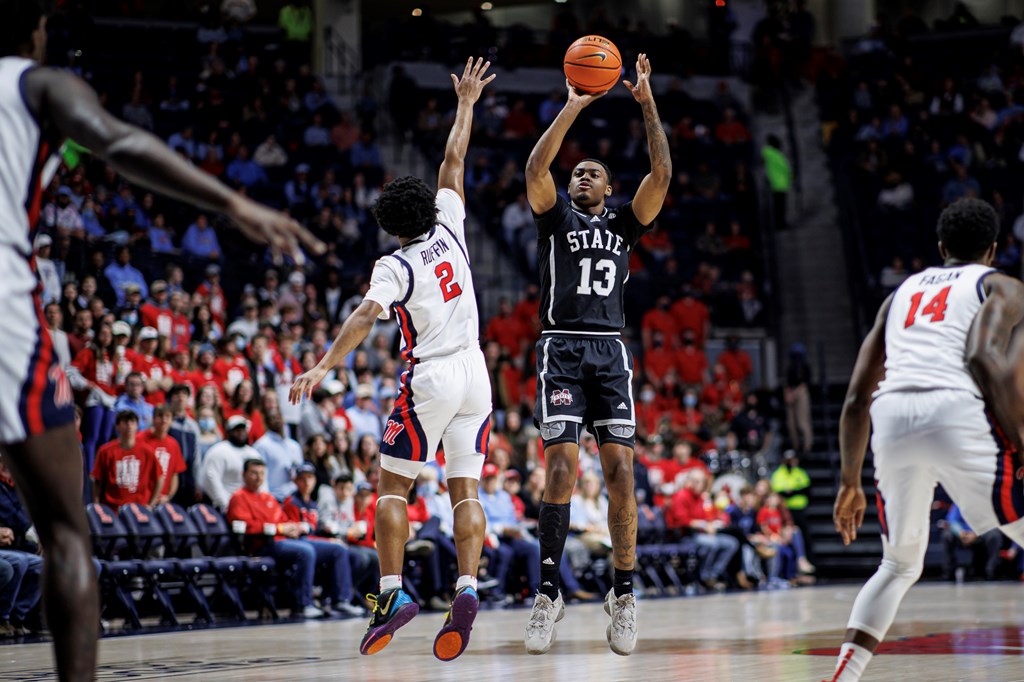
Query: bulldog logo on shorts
{"x":561,"y":397}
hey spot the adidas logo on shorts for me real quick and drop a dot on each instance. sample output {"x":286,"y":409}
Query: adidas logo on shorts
{"x":548,"y":562}
{"x":622,"y":406}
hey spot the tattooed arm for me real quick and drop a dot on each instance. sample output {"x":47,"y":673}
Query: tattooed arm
{"x":651,"y":195}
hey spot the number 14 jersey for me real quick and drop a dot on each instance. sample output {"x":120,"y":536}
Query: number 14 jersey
{"x":584,"y":265}
{"x":930,"y":317}
{"x":429,"y":286}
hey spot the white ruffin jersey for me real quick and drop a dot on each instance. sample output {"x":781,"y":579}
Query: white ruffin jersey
{"x":930,"y":317}
{"x":429,"y":286}
{"x":25,"y":166}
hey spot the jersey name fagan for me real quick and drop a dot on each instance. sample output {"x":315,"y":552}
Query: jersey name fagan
{"x":594,"y":239}
{"x":439,"y":247}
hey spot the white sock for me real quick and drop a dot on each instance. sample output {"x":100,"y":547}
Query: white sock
{"x":465,"y":581}
{"x":853,"y":659}
{"x":390,"y":582}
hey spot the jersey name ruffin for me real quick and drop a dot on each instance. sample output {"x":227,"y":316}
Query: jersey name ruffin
{"x":434,"y":250}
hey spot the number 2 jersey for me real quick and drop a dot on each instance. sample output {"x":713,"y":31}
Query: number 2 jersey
{"x":429,"y":286}
{"x":930,"y":317}
{"x":584,"y":265}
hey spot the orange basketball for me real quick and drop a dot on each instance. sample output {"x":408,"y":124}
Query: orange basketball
{"x":592,"y":64}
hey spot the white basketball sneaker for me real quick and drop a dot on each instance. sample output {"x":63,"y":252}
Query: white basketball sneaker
{"x":622,"y":630}
{"x":540,"y":631}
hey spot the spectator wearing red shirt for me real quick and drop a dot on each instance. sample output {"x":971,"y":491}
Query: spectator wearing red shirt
{"x":731,"y":131}
{"x":658,"y":360}
{"x":156,"y":312}
{"x":692,"y":513}
{"x":365,"y":513}
{"x":271,"y":533}
{"x":212,"y":292}
{"x":126,"y":470}
{"x":230,"y":367}
{"x":527,"y":311}
{"x":203,"y":374}
{"x":181,"y":326}
{"x":78,"y":338}
{"x":156,"y":373}
{"x":243,"y":402}
{"x":691,"y":315}
{"x":506,"y":330}
{"x":659,"y":319}
{"x":688,"y":419}
{"x":691,"y":362}
{"x":166,"y":450}
{"x":737,"y":363}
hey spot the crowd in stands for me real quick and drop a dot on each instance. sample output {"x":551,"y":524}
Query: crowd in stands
{"x":915,"y":128}
{"x":181,"y":340}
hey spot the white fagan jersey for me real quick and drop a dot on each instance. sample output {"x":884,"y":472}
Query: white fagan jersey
{"x":429,"y":286}
{"x":926,"y":331}
{"x":23,"y":154}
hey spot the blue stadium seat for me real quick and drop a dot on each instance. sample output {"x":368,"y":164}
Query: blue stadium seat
{"x":146,"y":539}
{"x":110,"y":542}
{"x":181,"y":539}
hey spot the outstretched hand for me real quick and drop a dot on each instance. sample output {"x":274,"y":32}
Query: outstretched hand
{"x":642,"y":91}
{"x":848,"y":514}
{"x":584,"y":98}
{"x":305,"y":383}
{"x":281,"y":232}
{"x":472,"y":83}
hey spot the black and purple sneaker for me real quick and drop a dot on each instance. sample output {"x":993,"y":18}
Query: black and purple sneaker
{"x":391,"y":610}
{"x":453,"y":638}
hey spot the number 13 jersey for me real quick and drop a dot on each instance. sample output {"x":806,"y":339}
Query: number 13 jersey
{"x":930,"y":317}
{"x":584,"y":265}
{"x":429,"y":286}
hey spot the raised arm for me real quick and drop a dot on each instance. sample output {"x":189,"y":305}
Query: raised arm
{"x":74,"y":110}
{"x":988,"y":361}
{"x":540,"y":186}
{"x":468,"y":88}
{"x":355,"y":329}
{"x":855,"y":428}
{"x":650,"y":197}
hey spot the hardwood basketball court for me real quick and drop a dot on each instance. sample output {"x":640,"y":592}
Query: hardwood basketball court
{"x":943,"y":633}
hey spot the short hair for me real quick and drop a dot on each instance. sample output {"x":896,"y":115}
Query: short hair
{"x":161,"y":410}
{"x":406,"y":208}
{"x":126,"y":416}
{"x":602,"y":164}
{"x":135,"y":375}
{"x":252,"y":462}
{"x":968,"y":228}
{"x":178,"y":388}
{"x":343,"y":477}
{"x":20,"y":20}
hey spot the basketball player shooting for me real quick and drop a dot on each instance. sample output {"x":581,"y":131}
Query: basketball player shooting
{"x":39,"y":108}
{"x":584,"y":370}
{"x":446,"y":392}
{"x":934,"y":379}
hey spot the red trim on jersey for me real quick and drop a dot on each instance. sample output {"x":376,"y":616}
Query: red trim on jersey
{"x":408,"y":333}
{"x":403,"y":408}
{"x":39,"y":375}
{"x":880,"y":501}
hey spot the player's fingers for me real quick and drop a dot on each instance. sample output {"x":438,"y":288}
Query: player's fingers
{"x":295,"y":250}
{"x":455,"y":80}
{"x":859,"y":519}
{"x":469,"y":67}
{"x":489,"y":78}
{"x":310,"y":240}
{"x":628,"y":84}
{"x":483,"y":69}
{"x":275,"y":255}
{"x":476,"y":67}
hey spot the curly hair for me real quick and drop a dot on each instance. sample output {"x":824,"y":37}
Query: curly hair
{"x":968,"y":228}
{"x":406,"y":208}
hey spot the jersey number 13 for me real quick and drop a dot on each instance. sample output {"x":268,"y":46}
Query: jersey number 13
{"x":596,"y":278}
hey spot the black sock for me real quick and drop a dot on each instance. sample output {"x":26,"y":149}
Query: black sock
{"x":553,"y":523}
{"x":623,"y":584}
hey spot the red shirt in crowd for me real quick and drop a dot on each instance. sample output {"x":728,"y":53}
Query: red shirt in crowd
{"x":657,"y":320}
{"x":215,"y":297}
{"x":128,"y":475}
{"x":527,"y":311}
{"x":369,"y":516}
{"x":770,"y":520}
{"x":507,"y":331}
{"x":685,"y":507}
{"x":99,"y":369}
{"x":658,"y":362}
{"x":168,"y":456}
{"x":256,"y":426}
{"x":152,"y":368}
{"x":691,"y":364}
{"x":256,"y":510}
{"x":161,"y":319}
{"x":418,"y":512}
{"x":181,"y":332}
{"x":691,"y":315}
{"x":231,"y":370}
{"x":737,"y":363}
